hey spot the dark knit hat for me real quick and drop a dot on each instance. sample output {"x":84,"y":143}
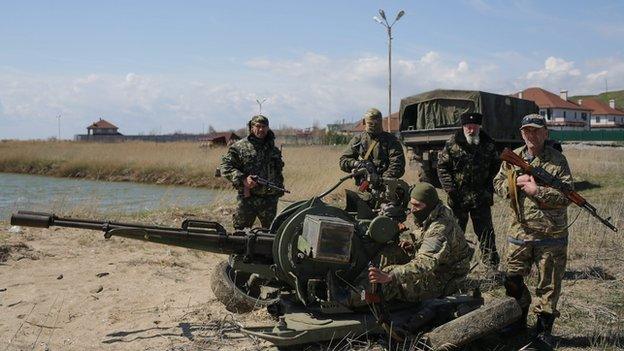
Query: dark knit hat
{"x":426,"y":193}
{"x":471,"y":117}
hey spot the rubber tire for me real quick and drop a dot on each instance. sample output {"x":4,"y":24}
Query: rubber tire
{"x":232,"y":297}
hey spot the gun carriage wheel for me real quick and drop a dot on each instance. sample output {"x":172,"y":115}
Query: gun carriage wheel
{"x":239,"y":291}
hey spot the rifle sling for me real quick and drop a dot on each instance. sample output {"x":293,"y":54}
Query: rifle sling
{"x":370,"y":149}
{"x":513,"y":191}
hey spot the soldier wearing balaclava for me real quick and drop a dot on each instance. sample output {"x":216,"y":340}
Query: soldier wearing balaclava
{"x":383,"y":149}
{"x":439,"y":255}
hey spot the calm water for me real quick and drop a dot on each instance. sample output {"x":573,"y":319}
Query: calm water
{"x":61,"y":195}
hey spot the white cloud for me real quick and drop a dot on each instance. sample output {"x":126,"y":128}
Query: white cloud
{"x":299,"y":91}
{"x":554,"y":68}
{"x":559,"y":73}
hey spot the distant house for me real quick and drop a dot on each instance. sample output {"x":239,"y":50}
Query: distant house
{"x":341,"y":128}
{"x":102,"y":127}
{"x":603,"y":115}
{"x":560,"y":113}
{"x":395,"y":124}
{"x":219,"y":139}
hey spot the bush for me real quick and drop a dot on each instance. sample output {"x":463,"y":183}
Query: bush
{"x":333,"y":138}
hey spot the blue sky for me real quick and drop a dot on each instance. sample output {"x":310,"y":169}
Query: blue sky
{"x":154,"y":66}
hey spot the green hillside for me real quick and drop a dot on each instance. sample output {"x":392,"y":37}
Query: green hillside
{"x":617,"y":95}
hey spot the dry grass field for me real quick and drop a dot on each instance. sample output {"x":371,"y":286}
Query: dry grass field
{"x":164,"y":288}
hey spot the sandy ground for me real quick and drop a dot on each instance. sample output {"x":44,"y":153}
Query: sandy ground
{"x":66,"y":289}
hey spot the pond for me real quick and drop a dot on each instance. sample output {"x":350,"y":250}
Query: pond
{"x":61,"y":195}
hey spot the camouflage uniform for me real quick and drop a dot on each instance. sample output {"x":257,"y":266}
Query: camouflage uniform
{"x":253,"y":156}
{"x":538,"y":233}
{"x":387,"y":155}
{"x":439,"y":264}
{"x":466,"y":172}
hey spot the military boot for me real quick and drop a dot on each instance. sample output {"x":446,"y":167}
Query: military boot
{"x":515,"y":287}
{"x":543,"y":340}
{"x":544,"y":323}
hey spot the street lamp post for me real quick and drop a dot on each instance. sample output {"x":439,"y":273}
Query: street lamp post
{"x":384,"y":22}
{"x":260,"y":104}
{"x":59,"y":127}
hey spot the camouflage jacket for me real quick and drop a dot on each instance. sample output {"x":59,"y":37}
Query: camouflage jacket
{"x":441,"y":252}
{"x":387,"y":156}
{"x":466,"y":171}
{"x":545,"y":214}
{"x":251,"y":156}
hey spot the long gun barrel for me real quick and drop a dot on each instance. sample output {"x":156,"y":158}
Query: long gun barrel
{"x":194,"y":234}
{"x":545,"y":178}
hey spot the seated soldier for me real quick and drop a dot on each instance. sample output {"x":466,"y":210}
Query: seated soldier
{"x":438,"y":260}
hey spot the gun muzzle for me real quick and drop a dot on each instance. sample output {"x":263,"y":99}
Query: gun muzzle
{"x":32,"y":219}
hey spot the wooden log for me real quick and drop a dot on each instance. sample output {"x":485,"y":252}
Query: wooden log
{"x":474,"y":325}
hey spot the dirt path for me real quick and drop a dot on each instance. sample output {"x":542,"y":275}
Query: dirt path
{"x":81,"y":292}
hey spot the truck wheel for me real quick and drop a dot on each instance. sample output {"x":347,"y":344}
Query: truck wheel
{"x":232,"y":290}
{"x":473,"y":325}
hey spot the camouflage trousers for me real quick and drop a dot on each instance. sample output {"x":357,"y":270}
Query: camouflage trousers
{"x":484,"y":230}
{"x":250,"y":208}
{"x":550,"y":261}
{"x":427,"y":287}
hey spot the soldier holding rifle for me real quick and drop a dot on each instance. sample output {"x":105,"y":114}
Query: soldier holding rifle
{"x":539,"y":230}
{"x":254,"y":166}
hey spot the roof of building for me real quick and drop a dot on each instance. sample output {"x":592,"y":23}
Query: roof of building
{"x":395,"y":124}
{"x":102,"y":124}
{"x":546,"y":99}
{"x":599,"y":107}
{"x":227,"y":136}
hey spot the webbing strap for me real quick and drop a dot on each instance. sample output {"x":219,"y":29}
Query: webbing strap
{"x":539,"y":242}
{"x":370,"y":149}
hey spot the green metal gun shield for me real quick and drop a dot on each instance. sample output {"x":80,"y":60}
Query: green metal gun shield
{"x":382,"y":229}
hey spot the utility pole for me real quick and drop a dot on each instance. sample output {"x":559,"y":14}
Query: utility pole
{"x":59,"y":127}
{"x":384,"y":22}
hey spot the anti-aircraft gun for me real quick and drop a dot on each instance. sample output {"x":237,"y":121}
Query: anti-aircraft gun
{"x":303,"y":267}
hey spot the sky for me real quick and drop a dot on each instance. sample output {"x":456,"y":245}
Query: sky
{"x":154,"y":67}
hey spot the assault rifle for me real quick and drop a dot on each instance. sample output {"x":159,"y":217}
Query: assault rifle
{"x":268,"y":183}
{"x":547,"y":179}
{"x":258,"y":180}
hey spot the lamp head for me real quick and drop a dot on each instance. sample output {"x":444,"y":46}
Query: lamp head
{"x":382,"y":14}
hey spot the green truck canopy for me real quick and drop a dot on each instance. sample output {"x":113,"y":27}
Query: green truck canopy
{"x":442,"y":109}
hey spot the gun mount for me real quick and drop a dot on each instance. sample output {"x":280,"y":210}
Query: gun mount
{"x":301,"y":269}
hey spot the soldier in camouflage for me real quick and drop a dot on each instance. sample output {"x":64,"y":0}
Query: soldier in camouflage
{"x":434,"y":263}
{"x":539,"y":230}
{"x":382,"y":155}
{"x":255,"y":155}
{"x":382,"y":148}
{"x":466,"y":167}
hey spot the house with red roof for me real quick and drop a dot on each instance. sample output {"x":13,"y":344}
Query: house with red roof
{"x":560,"y":113}
{"x":603,"y":115}
{"x":102,"y":127}
{"x":219,"y":138}
{"x":395,"y":124}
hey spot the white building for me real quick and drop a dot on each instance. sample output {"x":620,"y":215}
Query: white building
{"x":560,"y":113}
{"x":603,"y":115}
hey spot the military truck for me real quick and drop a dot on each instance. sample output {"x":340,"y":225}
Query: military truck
{"x":429,"y":119}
